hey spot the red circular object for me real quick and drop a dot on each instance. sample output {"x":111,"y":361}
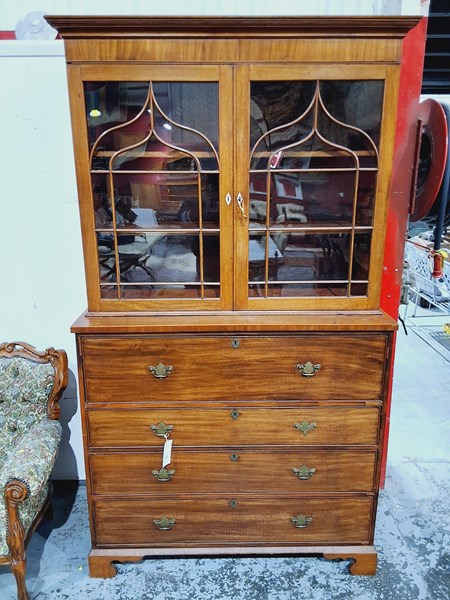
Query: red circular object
{"x":432,"y":156}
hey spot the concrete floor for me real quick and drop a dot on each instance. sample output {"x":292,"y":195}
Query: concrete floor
{"x":412,"y":533}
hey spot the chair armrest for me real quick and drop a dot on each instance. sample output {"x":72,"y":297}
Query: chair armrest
{"x":33,"y":458}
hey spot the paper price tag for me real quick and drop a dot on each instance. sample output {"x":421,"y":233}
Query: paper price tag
{"x":167,"y":453}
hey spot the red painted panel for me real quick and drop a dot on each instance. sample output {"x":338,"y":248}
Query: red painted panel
{"x":402,"y":181}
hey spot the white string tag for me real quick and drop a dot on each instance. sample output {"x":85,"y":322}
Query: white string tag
{"x":167,"y":453}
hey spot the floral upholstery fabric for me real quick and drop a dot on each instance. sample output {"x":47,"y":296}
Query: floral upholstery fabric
{"x":28,"y":439}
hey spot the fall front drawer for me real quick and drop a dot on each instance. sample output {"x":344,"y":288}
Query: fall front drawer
{"x":120,"y":428}
{"x":251,"y":471}
{"x":315,"y":367}
{"x":233,"y":520}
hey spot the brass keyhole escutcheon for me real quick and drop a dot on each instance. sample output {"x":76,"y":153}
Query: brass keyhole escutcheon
{"x":234,"y":503}
{"x":234,"y":457}
{"x":234,"y":414}
{"x":235,"y":343}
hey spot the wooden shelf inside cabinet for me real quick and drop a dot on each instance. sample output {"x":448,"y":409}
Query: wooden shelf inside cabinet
{"x":234,"y":258}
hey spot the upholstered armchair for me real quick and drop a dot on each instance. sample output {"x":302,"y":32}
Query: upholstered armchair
{"x":31,"y":384}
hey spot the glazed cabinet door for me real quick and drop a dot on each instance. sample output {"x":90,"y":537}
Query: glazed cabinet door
{"x":155,"y":184}
{"x":314,"y":147}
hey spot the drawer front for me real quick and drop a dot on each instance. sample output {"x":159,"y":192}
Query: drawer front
{"x":117,"y":428}
{"x":240,"y":470}
{"x":119,"y":369}
{"x":220,"y":521}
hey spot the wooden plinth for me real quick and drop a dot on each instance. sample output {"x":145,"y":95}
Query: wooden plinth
{"x":101,"y":562}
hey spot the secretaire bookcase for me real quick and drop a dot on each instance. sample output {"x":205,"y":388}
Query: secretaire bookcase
{"x":233,"y":177}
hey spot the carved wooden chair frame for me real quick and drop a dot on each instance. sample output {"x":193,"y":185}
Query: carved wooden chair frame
{"x":16,"y":491}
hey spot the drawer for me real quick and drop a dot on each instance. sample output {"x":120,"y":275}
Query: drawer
{"x":118,"y":369}
{"x":233,"y":520}
{"x":247,"y":471}
{"x":337,"y":425}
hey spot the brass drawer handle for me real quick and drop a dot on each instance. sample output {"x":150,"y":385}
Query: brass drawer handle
{"x":308,"y":369}
{"x":300,"y":521}
{"x":305,"y":427}
{"x":164,"y":523}
{"x":163,"y":474}
{"x":303,"y":472}
{"x":160,"y":371}
{"x":161,"y":429}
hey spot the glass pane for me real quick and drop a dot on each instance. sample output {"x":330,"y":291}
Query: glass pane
{"x":109,"y":292}
{"x":168,"y":258}
{"x":314,"y":257}
{"x":299,"y":257}
{"x":359,"y":289}
{"x":155,"y":200}
{"x":314,"y":152}
{"x":276,"y":104}
{"x":112,"y":103}
{"x":151,"y":155}
{"x":366,"y":198}
{"x":157,"y":257}
{"x":211,"y":258}
{"x":257,"y":250}
{"x":361,"y":255}
{"x":192,"y":105}
{"x":355,"y":103}
{"x":167,"y":292}
{"x":312,"y":199}
{"x":106,"y":256}
{"x":314,"y":290}
{"x":153,"y":126}
{"x":296,"y":290}
{"x":102,"y":201}
{"x":324,"y":122}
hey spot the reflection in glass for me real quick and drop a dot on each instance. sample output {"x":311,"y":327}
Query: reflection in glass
{"x":159,"y":257}
{"x":193,"y":105}
{"x":361,"y":255}
{"x":286,"y":113}
{"x":261,"y":246}
{"x":307,"y":264}
{"x":102,"y":201}
{"x":155,"y":175}
{"x":153,"y":126}
{"x":298,"y":290}
{"x":170,"y":199}
{"x":165,"y":292}
{"x":366,"y":198}
{"x":109,"y":104}
{"x":312,"y":290}
{"x":314,"y":257}
{"x":359,"y":289}
{"x":358,"y":104}
{"x":275,"y":104}
{"x":109,"y":292}
{"x":314,"y":198}
{"x":313,"y":166}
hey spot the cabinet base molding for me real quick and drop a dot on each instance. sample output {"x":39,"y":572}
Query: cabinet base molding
{"x":101,"y":561}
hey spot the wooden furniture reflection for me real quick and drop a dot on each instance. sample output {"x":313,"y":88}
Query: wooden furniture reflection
{"x":269,"y":369}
